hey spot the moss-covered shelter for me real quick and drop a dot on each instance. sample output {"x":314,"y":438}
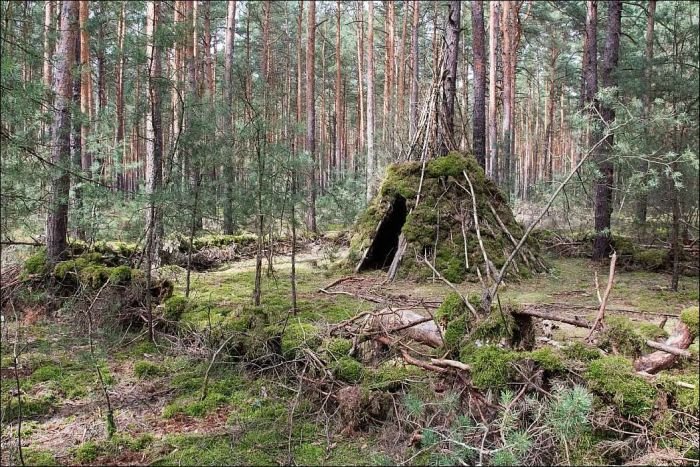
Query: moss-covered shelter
{"x":430,"y":204}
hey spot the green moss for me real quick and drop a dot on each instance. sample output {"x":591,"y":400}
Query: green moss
{"x":337,"y":346}
{"x":614,"y":377}
{"x":193,"y":406}
{"x":32,"y":407}
{"x":684,"y":398}
{"x":455,"y":331}
{"x":200,"y":450}
{"x":49,"y":372}
{"x":37,"y":264}
{"x":298,"y":336}
{"x":547,"y":359}
{"x":624,"y":246}
{"x":578,"y":351}
{"x":309,"y":454}
{"x":621,"y":334}
{"x":347,"y":369}
{"x":392,"y":376}
{"x":38,"y":457}
{"x":88,"y":452}
{"x":651,"y":259}
{"x":145,"y":369}
{"x":651,"y":331}
{"x":491,"y":365}
{"x":120,"y":275}
{"x":494,"y":327}
{"x":174,"y":307}
{"x":689,"y":317}
{"x":451,"y":164}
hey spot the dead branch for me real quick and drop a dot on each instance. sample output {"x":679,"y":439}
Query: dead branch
{"x":452,"y":286}
{"x":361,"y":297}
{"x":478,"y":232}
{"x":537,"y":220}
{"x":663,"y":359}
{"x":606,"y":294}
{"x":669,"y":349}
{"x":552,"y":317}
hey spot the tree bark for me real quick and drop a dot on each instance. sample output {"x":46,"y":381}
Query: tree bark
{"x":311,"y":116}
{"x":338,"y":112}
{"x":85,"y":80}
{"x":119,"y":86}
{"x":388,"y":71}
{"x":511,"y":37}
{"x":450,"y":83}
{"x":661,"y":360}
{"x":413,"y":103}
{"x":479,"y":125}
{"x":492,"y":163}
{"x":641,"y":208}
{"x":57,"y":215}
{"x":604,"y":184}
{"x":229,"y":172}
{"x":154,"y":134}
{"x":371,"y":157}
{"x":48,"y":43}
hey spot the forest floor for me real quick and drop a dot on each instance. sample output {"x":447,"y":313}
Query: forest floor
{"x":252,"y":416}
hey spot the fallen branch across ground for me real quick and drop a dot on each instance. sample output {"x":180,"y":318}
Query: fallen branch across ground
{"x":665,"y":358}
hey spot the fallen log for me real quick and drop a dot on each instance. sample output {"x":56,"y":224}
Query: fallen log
{"x":662,"y":359}
{"x":408,"y":323}
{"x":669,"y":349}
{"x":552,"y":317}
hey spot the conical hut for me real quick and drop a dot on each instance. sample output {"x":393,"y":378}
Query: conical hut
{"x":445,"y":212}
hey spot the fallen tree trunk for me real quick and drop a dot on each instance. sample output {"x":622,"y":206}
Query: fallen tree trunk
{"x":552,"y":317}
{"x":408,"y":323}
{"x":654,"y":362}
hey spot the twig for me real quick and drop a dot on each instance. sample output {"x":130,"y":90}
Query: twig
{"x":111,"y":424}
{"x":452,"y":286}
{"x":478,"y":233}
{"x":604,"y":302}
{"x":541,"y":215}
{"x":205,"y":383}
{"x":15,"y":357}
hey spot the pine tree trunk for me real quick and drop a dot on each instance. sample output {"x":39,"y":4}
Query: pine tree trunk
{"x":57,"y":215}
{"x":311,"y":116}
{"x":450,"y":82}
{"x":360,"y":78}
{"x":641,"y":208}
{"x":413,"y":104}
{"x":604,"y":184}
{"x":85,"y":80}
{"x":154,"y":134}
{"x":229,"y":172}
{"x":492,"y":163}
{"x":388,"y":71}
{"x":119,"y":86}
{"x":371,"y":157}
{"x":479,"y":125}
{"x":338,"y":112}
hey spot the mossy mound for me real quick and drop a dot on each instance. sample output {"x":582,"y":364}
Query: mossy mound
{"x":614,"y":377}
{"x":434,"y":227}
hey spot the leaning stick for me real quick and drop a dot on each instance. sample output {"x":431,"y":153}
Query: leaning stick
{"x":604,"y":302}
{"x":452,"y":286}
{"x":476,"y":224}
{"x":541,"y":215}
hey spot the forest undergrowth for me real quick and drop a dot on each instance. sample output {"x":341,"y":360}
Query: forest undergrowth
{"x":229,"y":383}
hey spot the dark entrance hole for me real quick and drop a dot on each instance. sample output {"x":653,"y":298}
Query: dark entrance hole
{"x":386,"y":241}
